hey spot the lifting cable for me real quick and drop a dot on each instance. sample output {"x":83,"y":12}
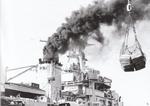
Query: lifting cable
{"x":130,"y":24}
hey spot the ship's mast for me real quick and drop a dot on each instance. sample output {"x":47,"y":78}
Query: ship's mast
{"x":79,"y":56}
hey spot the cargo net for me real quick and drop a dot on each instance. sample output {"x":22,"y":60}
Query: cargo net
{"x":132,"y":57}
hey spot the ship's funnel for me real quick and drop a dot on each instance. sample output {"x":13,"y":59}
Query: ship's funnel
{"x":50,"y":55}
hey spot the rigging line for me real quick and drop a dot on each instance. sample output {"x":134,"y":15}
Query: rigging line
{"x":133,"y":25}
{"x":20,"y":74}
{"x":126,"y":36}
{"x":130,"y":23}
{"x":20,"y":68}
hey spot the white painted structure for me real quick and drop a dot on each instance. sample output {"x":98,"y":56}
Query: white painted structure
{"x":49,"y":78}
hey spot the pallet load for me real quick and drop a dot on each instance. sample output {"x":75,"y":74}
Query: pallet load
{"x":125,"y":59}
{"x":132,"y":60}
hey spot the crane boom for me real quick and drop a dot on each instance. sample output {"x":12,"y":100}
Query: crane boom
{"x":20,"y":68}
{"x":20,"y":73}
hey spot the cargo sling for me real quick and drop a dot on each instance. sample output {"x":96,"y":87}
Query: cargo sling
{"x":131,"y":60}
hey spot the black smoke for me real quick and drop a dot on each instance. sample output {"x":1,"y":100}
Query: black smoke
{"x":85,"y":21}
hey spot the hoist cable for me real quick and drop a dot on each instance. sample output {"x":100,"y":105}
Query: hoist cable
{"x":130,"y":24}
{"x":136,"y":40}
{"x":125,"y":44}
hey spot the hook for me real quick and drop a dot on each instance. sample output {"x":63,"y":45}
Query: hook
{"x":129,"y":6}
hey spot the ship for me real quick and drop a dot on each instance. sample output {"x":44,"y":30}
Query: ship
{"x":77,"y":85}
{"x":85,"y":86}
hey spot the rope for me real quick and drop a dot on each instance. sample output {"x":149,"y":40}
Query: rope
{"x":21,"y":73}
{"x":130,"y":24}
{"x":135,"y":35}
{"x":20,"y":68}
{"x":125,"y":43}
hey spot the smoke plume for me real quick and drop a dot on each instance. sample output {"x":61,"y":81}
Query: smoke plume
{"x":86,"y":21}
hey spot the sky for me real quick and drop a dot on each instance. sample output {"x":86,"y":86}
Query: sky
{"x":26,"y":22}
